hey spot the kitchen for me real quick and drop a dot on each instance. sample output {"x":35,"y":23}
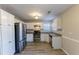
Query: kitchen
{"x":22,"y":33}
{"x":46,"y":34}
{"x":31,"y":27}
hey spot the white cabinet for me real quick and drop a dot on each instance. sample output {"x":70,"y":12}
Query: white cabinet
{"x":29,"y":37}
{"x":11,"y":39}
{"x":4,"y":17}
{"x":0,"y":40}
{"x":7,"y":42}
{"x":44,"y":37}
{"x":56,"y":42}
{"x":11,"y":19}
{"x":7,"y":18}
{"x":30,"y":25}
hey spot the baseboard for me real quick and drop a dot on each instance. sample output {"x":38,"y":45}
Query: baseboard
{"x":65,"y":51}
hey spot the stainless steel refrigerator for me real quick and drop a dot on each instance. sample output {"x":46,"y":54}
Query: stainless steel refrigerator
{"x":20,"y":37}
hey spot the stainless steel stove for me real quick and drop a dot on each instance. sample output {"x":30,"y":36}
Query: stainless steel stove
{"x":36,"y":36}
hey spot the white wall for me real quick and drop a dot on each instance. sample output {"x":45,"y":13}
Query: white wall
{"x":70,"y":34}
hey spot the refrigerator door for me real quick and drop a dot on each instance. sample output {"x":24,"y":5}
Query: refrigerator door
{"x":17,"y":37}
{"x":20,"y":37}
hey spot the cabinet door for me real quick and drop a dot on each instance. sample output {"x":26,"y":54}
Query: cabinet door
{"x":0,"y":40}
{"x":4,"y":18}
{"x":29,"y":37}
{"x":44,"y":37}
{"x":8,"y":42}
{"x":11,"y":39}
{"x":5,"y":40}
{"x":11,"y":19}
{"x":56,"y":42}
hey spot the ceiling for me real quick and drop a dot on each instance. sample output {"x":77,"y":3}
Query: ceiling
{"x":25,"y":12}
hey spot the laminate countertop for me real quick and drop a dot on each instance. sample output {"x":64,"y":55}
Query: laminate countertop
{"x":50,"y":33}
{"x":55,"y":33}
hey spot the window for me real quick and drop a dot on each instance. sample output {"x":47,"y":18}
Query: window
{"x":46,"y":27}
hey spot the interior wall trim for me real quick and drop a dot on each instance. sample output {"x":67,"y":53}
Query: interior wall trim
{"x":72,"y":39}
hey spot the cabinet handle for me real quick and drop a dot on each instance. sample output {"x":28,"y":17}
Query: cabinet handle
{"x":10,"y":41}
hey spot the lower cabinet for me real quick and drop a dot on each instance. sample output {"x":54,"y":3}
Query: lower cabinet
{"x":29,"y":37}
{"x":7,"y":40}
{"x":0,"y":40}
{"x":56,"y":42}
{"x":44,"y":37}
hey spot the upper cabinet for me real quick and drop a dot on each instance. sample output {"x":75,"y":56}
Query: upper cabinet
{"x":11,"y":19}
{"x":7,"y":38}
{"x":7,"y":18}
{"x":57,"y":24}
{"x":54,"y":25}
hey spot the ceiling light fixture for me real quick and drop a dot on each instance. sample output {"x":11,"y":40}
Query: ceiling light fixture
{"x":36,"y":17}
